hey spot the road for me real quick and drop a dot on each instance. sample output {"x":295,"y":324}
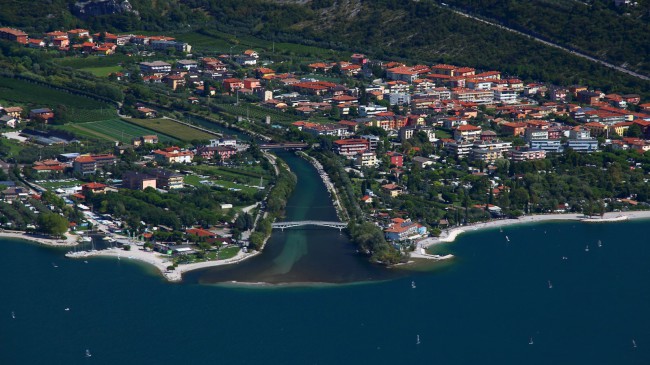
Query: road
{"x":550,"y":44}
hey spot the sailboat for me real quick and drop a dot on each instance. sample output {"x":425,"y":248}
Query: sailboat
{"x":13,"y":315}
{"x":550,"y":286}
{"x":500,"y":229}
{"x":633,"y":344}
{"x":413,"y":284}
{"x":88,"y":353}
{"x":417,"y":342}
{"x":600,"y":243}
{"x":587,"y":248}
{"x":531,"y":341}
{"x":507,"y":239}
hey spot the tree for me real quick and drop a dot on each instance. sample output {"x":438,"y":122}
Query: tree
{"x":52,"y":224}
{"x":634,"y":131}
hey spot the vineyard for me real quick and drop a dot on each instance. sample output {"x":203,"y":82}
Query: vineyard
{"x":115,"y":130}
{"x":29,"y":95}
{"x":257,"y":113}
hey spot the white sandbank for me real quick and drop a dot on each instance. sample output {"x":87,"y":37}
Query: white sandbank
{"x":449,"y":235}
{"x":161,"y":262}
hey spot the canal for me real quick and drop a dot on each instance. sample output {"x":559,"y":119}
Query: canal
{"x":305,"y":254}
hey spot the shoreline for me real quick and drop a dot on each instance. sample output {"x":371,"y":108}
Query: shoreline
{"x":70,"y":241}
{"x":450,"y":234}
{"x":159,"y":261}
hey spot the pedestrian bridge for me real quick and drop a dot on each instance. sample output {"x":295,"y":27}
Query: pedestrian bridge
{"x":283,"y":225}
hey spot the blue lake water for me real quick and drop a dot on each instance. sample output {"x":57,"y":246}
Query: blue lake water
{"x":484,"y":308}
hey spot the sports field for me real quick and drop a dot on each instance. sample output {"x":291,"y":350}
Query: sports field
{"x":171,"y":128}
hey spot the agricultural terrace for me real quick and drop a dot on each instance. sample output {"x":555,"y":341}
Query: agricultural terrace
{"x":30,"y":95}
{"x":216,"y":41}
{"x":115,"y":130}
{"x":171,"y":128}
{"x":257,"y":113}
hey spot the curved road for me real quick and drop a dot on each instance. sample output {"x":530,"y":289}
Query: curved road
{"x":550,"y":44}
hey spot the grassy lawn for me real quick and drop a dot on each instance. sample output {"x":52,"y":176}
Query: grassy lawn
{"x":228,"y":252}
{"x":102,"y":71}
{"x":172,"y":128}
{"x":114,"y":130}
{"x":58,"y":184}
{"x":196,"y":181}
{"x":442,"y":134}
{"x":250,"y":175}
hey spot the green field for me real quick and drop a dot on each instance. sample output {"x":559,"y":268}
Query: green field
{"x":196,"y":181}
{"x":114,"y":130}
{"x":102,"y":71}
{"x":30,"y":95}
{"x":257,"y":113}
{"x":92,"y":61}
{"x":172,"y":128}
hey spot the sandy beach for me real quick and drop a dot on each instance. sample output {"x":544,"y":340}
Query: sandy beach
{"x":71,"y":239}
{"x":161,"y":262}
{"x":449,"y":235}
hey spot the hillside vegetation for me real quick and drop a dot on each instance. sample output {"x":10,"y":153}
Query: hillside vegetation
{"x":597,"y":27}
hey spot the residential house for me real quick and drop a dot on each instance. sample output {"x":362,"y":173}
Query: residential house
{"x":513,"y":129}
{"x":392,"y":189}
{"x":396,"y":159}
{"x":155,"y":67}
{"x":518,"y":155}
{"x":467,"y":132}
{"x":350,"y":147}
{"x":42,"y":114}
{"x":94,"y":187}
{"x":366,"y":159}
{"x":173,"y":155}
{"x":137,"y":180}
{"x":422,"y":162}
{"x":166,"y":179}
{"x":13,"y":35}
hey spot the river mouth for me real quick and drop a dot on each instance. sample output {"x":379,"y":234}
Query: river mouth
{"x":303,"y":255}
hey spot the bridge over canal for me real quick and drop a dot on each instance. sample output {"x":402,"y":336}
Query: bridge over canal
{"x":282,"y":225}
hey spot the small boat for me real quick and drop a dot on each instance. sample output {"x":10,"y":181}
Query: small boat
{"x":106,"y":238}
{"x":507,"y":239}
{"x":13,"y":315}
{"x":633,"y":344}
{"x":88,"y":353}
{"x":600,"y":243}
{"x":417,"y":342}
{"x":86,"y":239}
{"x":550,"y":285}
{"x":500,"y":229}
{"x":587,"y":248}
{"x":413,"y":284}
{"x":564,"y":258}
{"x":54,"y":265}
{"x":67,"y":309}
{"x":85,"y":261}
{"x":531,"y":341}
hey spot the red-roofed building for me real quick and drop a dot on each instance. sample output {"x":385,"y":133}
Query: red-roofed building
{"x":350,"y":147}
{"x":467,"y":132}
{"x":513,"y":129}
{"x":12,"y":34}
{"x":95,"y":188}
